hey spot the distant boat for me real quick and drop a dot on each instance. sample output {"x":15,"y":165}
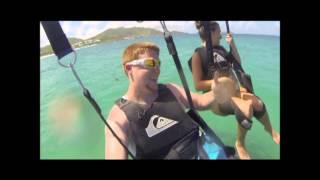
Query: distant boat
{"x":127,"y":38}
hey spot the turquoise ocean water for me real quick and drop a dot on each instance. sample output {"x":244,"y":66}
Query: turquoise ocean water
{"x":70,"y":128}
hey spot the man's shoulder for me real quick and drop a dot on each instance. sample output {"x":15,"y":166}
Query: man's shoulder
{"x":116,"y":114}
{"x":169,"y":85}
{"x":174,"y":88}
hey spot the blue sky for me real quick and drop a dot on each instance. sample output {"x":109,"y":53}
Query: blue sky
{"x":87,"y":29}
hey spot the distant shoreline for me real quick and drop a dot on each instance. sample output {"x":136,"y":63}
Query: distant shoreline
{"x":223,"y":33}
{"x":45,"y":56}
{"x":48,"y":55}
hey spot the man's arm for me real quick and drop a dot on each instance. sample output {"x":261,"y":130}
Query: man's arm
{"x":222,"y":89}
{"x":200,"y":101}
{"x":119,"y":124}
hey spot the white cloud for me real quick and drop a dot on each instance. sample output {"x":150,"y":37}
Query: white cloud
{"x":116,"y":24}
{"x":184,"y":26}
{"x":66,"y":26}
{"x":92,"y":23}
{"x":79,"y":33}
{"x":87,"y":29}
{"x":90,"y":32}
{"x":254,"y":27}
{"x":242,"y":26}
{"x":277,"y":25}
{"x":43,"y":37}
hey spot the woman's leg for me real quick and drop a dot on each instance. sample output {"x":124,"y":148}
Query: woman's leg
{"x":262,"y":115}
{"x":244,"y":105}
{"x":240,"y":143}
{"x":216,"y":110}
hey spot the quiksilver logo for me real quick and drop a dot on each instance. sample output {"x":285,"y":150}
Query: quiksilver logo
{"x":218,"y":57}
{"x":158,"y":124}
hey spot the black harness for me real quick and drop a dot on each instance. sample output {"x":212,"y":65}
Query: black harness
{"x":223,"y":62}
{"x":163,"y":131}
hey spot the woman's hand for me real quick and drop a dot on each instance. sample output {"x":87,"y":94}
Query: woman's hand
{"x":229,"y":39}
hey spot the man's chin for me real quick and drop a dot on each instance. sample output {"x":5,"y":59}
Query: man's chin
{"x":153,"y":87}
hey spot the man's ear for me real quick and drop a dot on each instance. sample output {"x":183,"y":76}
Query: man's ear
{"x":126,"y":68}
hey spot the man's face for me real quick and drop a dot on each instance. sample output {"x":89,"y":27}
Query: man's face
{"x":146,"y":78}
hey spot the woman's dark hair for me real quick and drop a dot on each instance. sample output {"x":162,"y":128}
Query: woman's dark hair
{"x":213,"y":25}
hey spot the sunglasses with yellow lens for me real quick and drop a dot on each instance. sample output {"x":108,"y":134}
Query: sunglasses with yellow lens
{"x":146,"y":62}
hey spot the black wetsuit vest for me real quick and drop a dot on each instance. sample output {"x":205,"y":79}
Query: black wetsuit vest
{"x":221,"y":54}
{"x":156,"y":130}
{"x":209,"y":67}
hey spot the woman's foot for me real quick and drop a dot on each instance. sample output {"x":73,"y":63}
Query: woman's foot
{"x":275,"y":136}
{"x":242,"y":151}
